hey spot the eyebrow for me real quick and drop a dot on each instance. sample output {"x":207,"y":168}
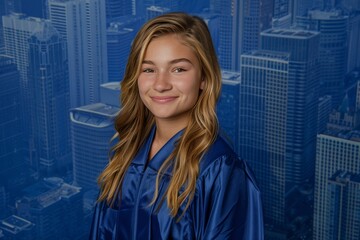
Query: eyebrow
{"x":171,"y":62}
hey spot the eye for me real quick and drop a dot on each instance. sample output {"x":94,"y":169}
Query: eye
{"x":148,"y":70}
{"x":179,"y":69}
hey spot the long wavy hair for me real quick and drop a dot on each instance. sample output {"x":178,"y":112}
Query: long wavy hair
{"x":134,"y":122}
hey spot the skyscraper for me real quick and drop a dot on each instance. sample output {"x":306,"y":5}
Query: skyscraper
{"x":228,"y":106}
{"x":343,"y":206}
{"x":302,"y":97}
{"x":263,"y":125}
{"x":91,"y":130}
{"x":333,"y":26}
{"x":278,"y":116}
{"x":353,"y":53}
{"x":119,"y":40}
{"x":49,"y":88}
{"x":12,"y":163}
{"x":92,"y":127}
{"x":82,"y":23}
{"x":10,"y":139}
{"x":241,"y":22}
{"x":17,"y":31}
{"x":335,"y":150}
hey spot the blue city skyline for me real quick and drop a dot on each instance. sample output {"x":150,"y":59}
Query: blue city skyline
{"x":290,"y":107}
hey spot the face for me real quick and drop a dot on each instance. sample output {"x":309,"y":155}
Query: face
{"x":170,"y":79}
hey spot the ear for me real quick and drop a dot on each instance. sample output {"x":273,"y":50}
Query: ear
{"x":202,"y":84}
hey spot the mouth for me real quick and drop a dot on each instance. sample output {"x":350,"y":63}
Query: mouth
{"x":164,"y":99}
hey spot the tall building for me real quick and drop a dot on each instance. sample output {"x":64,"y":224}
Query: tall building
{"x":11,"y":134}
{"x":54,"y":207}
{"x":353,"y":54}
{"x":333,"y":26}
{"x":302,"y":96}
{"x":92,"y":128}
{"x":278,"y":117}
{"x":335,"y":150}
{"x":17,"y":30}
{"x":241,"y":22}
{"x":49,"y":88}
{"x":82,"y":23}
{"x":343,"y":206}
{"x":13,"y":170}
{"x":119,"y":40}
{"x":227,"y":108}
{"x":264,"y":95}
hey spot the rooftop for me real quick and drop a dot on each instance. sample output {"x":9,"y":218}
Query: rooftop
{"x":341,"y":176}
{"x":326,"y":15}
{"x":111,"y":85}
{"x":269,"y":54}
{"x":353,"y":135}
{"x":15,"y":224}
{"x":233,"y":76}
{"x":95,"y":115}
{"x":290,"y":33}
{"x":48,"y":192}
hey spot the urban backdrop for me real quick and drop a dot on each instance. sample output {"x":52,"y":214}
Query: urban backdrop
{"x":290,"y":105}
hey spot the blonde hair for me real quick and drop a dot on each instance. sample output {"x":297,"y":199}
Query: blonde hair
{"x":135,"y":121}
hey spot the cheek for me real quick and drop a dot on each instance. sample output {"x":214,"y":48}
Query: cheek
{"x":141,"y":86}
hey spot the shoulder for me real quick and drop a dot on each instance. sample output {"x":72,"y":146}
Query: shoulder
{"x":220,"y":155}
{"x":220,"y":161}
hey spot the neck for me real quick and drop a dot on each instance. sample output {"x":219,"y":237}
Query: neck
{"x":164,"y":131}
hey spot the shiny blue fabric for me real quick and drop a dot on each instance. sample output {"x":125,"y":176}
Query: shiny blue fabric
{"x":226,"y":205}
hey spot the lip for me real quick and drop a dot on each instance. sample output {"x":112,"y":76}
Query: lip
{"x":163,"y":99}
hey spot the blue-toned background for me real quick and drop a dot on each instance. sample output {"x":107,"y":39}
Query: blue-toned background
{"x":290,"y":104}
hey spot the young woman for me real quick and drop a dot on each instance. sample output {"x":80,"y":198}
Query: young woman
{"x":172,"y":175}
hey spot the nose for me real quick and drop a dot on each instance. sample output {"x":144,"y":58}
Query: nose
{"x":162,"y":81}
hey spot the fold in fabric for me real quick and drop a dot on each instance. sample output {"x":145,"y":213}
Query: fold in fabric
{"x":226,"y":205}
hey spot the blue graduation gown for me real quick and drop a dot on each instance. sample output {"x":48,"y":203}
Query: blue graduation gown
{"x":226,"y":204}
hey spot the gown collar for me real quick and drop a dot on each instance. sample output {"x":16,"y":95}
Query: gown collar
{"x":158,"y":159}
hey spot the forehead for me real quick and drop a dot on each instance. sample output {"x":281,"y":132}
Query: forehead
{"x":167,"y":45}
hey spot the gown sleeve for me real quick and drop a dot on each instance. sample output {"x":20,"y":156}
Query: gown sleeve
{"x":227,"y":204}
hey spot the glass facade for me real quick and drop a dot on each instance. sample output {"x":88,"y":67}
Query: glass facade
{"x":228,"y":107}
{"x":262,"y":125}
{"x":343,"y":206}
{"x":333,"y":26}
{"x":333,"y":153}
{"x":83,"y":26}
{"x":91,"y":131}
{"x":49,"y":88}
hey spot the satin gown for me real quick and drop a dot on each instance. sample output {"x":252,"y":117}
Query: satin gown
{"x":226,"y":205}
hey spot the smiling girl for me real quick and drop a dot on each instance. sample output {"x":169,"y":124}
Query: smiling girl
{"x":172,"y":175}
